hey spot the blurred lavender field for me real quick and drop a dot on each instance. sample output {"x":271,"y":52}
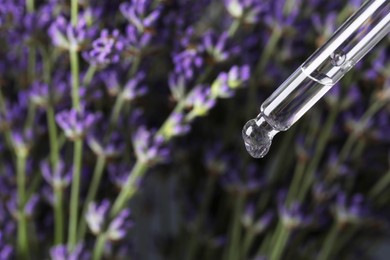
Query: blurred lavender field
{"x":120,"y":133}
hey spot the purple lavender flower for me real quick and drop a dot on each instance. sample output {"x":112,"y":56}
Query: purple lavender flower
{"x":65,"y":36}
{"x":217,"y":46}
{"x":14,"y":206}
{"x":176,"y":125}
{"x":349,"y":211}
{"x":148,"y":147}
{"x":277,"y":15}
{"x":76,"y":124}
{"x":110,"y":148}
{"x":226,"y":83}
{"x":201,"y":101}
{"x":118,"y":227}
{"x":106,"y":49}
{"x":41,"y":94}
{"x":111,"y":81}
{"x":137,"y":13}
{"x":263,"y":222}
{"x":97,"y":218}
{"x":248,"y":11}
{"x":61,"y":252}
{"x":133,"y":88}
{"x":187,"y":63}
{"x":135,"y":42}
{"x":6,"y":250}
{"x":177,"y":85}
{"x":293,"y":216}
{"x":58,"y":178}
{"x":118,"y":174}
{"x":22,"y":142}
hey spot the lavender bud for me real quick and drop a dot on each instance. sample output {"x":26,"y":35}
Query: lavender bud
{"x":76,"y":124}
{"x":175,"y":126}
{"x":201,"y":101}
{"x":58,"y":178}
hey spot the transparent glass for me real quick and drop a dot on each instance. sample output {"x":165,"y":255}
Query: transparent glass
{"x":351,"y":42}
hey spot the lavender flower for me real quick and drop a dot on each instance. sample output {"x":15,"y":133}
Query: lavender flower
{"x":187,"y":63}
{"x":76,"y":124}
{"x":133,"y":88}
{"x":41,"y":94}
{"x":175,"y":126}
{"x":65,"y":36}
{"x":22,"y":142}
{"x":248,"y":11}
{"x":106,"y":49}
{"x":6,"y":250}
{"x":201,"y":101}
{"x":58,"y":178}
{"x":226,"y":83}
{"x":61,"y":252}
{"x":349,"y":211}
{"x":148,"y":147}
{"x":108,"y":148}
{"x":111,"y":81}
{"x":97,"y":219}
{"x":137,"y":13}
{"x":28,"y":209}
{"x":217,"y":46}
{"x":293,"y":216}
{"x":118,"y":174}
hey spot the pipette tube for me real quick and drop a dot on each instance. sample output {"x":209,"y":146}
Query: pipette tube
{"x":322,"y":70}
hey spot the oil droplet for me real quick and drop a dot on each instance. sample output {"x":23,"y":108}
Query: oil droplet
{"x":338,"y":58}
{"x":257,"y":135}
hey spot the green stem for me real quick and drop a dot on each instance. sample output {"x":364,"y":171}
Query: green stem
{"x":99,"y":247}
{"x":74,"y":66}
{"x":75,"y":194}
{"x":299,"y":176}
{"x":380,"y":185}
{"x":234,"y":27}
{"x":54,"y":158}
{"x":119,"y":102}
{"x":23,"y":246}
{"x":97,"y":176}
{"x":30,"y":115}
{"x":89,"y":75}
{"x":53,"y":141}
{"x":30,"y":6}
{"x":288,"y":6}
{"x":193,"y":241}
{"x":330,"y":239}
{"x":374,"y":107}
{"x":74,"y":12}
{"x":264,"y":245}
{"x":58,"y":216}
{"x":129,"y":188}
{"x":248,"y":240}
{"x":320,"y":149}
{"x":31,"y":63}
{"x":280,"y":243}
{"x":235,"y":233}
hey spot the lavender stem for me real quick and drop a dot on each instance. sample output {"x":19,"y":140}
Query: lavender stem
{"x":22,"y":221}
{"x":279,"y":242}
{"x":330,"y":239}
{"x":75,"y":194}
{"x":97,"y":176}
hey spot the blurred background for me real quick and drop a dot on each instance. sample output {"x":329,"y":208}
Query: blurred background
{"x":121,"y":125}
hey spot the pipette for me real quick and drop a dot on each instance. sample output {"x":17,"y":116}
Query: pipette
{"x":291,"y":100}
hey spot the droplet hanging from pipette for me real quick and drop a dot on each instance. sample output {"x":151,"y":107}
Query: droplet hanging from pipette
{"x":257,"y":134}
